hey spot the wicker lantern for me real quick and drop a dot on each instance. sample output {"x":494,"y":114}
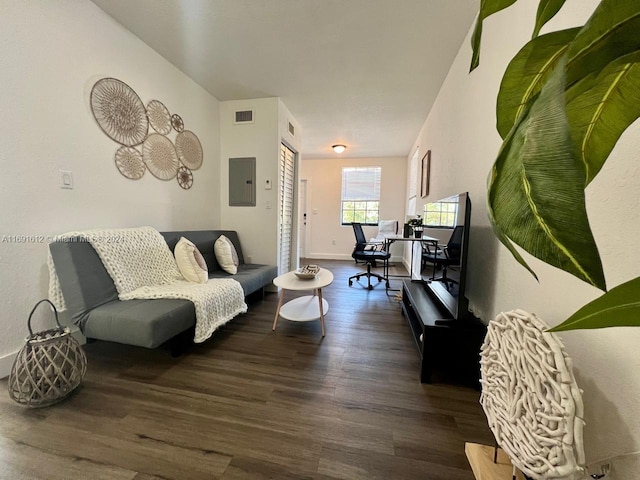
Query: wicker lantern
{"x":49,"y":367}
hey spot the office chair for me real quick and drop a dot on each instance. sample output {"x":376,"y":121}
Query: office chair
{"x":368,"y":256}
{"x":385,"y":227}
{"x":444,"y":257}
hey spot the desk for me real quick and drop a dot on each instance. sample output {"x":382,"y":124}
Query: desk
{"x":307,"y":308}
{"x":389,"y":239}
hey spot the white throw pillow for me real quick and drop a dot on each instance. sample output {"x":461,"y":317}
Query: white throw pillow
{"x":190,"y":261}
{"x":226,"y":255}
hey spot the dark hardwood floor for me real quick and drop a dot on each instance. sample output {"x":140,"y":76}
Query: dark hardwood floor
{"x":255,"y":404}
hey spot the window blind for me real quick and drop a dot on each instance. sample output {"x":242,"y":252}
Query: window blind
{"x":361,"y":183}
{"x":287,"y":188}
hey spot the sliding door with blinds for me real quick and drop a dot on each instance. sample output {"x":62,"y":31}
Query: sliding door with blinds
{"x":287,"y":191}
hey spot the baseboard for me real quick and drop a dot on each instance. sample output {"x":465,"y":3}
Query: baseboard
{"x":6,"y":362}
{"x":406,"y":264}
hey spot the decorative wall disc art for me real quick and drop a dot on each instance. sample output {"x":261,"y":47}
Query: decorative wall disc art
{"x":189,"y":149}
{"x":185,"y":178}
{"x":177,"y":123}
{"x":159,"y":117}
{"x":129,"y":162}
{"x":160,"y":156}
{"x":124,"y":119}
{"x":119,"y":112}
{"x":531,"y":399}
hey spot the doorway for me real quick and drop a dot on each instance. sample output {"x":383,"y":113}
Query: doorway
{"x":302,"y":230}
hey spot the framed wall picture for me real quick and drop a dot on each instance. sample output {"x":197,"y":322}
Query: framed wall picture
{"x":424,"y":182}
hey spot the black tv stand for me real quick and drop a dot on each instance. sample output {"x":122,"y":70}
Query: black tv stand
{"x":445,"y":321}
{"x":449,"y":348}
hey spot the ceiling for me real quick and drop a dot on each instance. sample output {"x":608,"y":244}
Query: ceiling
{"x":359,"y":72}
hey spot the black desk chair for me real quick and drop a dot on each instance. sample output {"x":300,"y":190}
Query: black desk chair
{"x":444,"y":257}
{"x":370,"y":257}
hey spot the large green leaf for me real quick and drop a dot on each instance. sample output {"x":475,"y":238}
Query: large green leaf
{"x":546,"y":11}
{"x":526,"y":73}
{"x":504,"y":239}
{"x":536,"y":190}
{"x":487,"y":8}
{"x":620,"y":307}
{"x":610,"y":33}
{"x":600,"y":107}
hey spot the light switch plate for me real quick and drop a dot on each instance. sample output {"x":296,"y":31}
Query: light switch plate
{"x":66,"y":179}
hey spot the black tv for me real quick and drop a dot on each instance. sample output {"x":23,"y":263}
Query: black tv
{"x":454,"y":211}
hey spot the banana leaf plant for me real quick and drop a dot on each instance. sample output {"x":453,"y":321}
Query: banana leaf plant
{"x":564,"y":101}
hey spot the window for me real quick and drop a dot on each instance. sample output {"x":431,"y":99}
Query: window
{"x":441,"y":214}
{"x":361,"y":195}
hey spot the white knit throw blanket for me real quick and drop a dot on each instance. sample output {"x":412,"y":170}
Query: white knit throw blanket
{"x":142,"y":267}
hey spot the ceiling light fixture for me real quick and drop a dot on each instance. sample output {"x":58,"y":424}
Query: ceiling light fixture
{"x":339,"y":148}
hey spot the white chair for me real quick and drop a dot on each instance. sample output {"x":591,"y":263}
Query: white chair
{"x":385,"y":227}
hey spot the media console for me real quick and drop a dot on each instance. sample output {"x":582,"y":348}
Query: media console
{"x":449,"y":348}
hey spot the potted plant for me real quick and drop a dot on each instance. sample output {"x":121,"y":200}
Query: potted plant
{"x":416,"y":226}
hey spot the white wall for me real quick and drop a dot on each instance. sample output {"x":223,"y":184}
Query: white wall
{"x":257,"y":226}
{"x":460,"y":131}
{"x":51,"y":54}
{"x":326,"y":238}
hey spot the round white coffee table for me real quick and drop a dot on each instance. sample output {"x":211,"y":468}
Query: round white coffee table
{"x":307,"y":308}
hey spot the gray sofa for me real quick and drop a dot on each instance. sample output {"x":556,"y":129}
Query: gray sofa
{"x":93,"y":304}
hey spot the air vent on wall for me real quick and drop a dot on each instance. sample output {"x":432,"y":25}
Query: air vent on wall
{"x":243,"y":116}
{"x":292,"y":129}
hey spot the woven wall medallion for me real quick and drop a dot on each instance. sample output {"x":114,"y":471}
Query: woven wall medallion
{"x":185,"y":178}
{"x":189,"y":149}
{"x":123,"y":117}
{"x":129,"y":162}
{"x":160,"y":156}
{"x":119,"y":112}
{"x":159,"y":117}
{"x":177,"y":123}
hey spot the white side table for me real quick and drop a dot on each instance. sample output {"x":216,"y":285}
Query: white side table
{"x":307,"y":308}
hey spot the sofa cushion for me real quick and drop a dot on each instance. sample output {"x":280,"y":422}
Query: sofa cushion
{"x":190,"y":261}
{"x":145,"y":323}
{"x":84,"y":281}
{"x":226,"y":255}
{"x":252,"y":277}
